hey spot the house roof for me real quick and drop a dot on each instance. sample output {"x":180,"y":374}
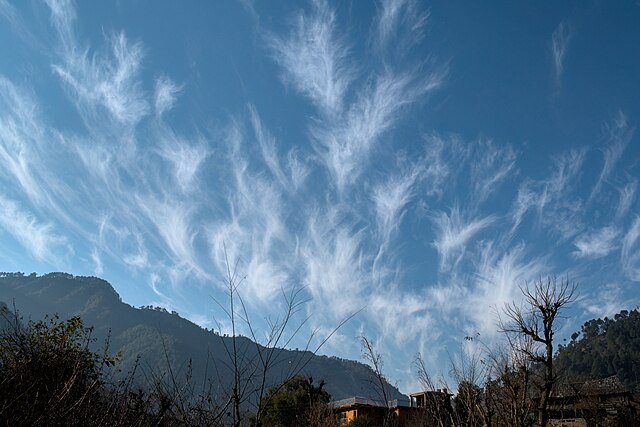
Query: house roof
{"x":363,"y":401}
{"x":594,"y":387}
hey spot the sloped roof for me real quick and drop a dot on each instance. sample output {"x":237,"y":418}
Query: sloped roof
{"x":593,"y":387}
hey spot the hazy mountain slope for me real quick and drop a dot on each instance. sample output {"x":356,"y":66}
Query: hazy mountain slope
{"x":158,"y":336}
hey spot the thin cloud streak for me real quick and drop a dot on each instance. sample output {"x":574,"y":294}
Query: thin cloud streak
{"x":559,"y":45}
{"x":186,"y":159}
{"x":618,"y":135}
{"x":491,"y":168}
{"x":630,"y":254}
{"x":39,"y":238}
{"x":268,"y":148}
{"x":627,"y":195}
{"x":398,"y":15}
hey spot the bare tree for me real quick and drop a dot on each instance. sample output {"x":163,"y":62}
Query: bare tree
{"x":537,"y":321}
{"x":375,"y":359}
{"x":436,"y":410}
{"x":506,"y":393}
{"x":470,"y":372}
{"x":251,"y":369}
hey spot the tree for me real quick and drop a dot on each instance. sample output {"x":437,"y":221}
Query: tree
{"x":507,"y":392}
{"x":291,"y":404}
{"x":436,"y":410}
{"x":469,"y":370}
{"x":250,"y":366}
{"x":48,"y":375}
{"x":380,"y":381}
{"x":537,"y":322}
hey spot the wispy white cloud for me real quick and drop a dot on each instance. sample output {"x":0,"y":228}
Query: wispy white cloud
{"x":98,"y":266}
{"x":398,"y":15}
{"x":345,"y":146}
{"x":18,"y":24}
{"x":499,"y":274}
{"x":630,"y":254}
{"x":390,"y":199}
{"x":607,"y":300}
{"x":554,"y":200}
{"x":63,"y":16}
{"x":402,"y":316}
{"x":437,"y":167}
{"x":627,"y":195}
{"x":317,"y":62}
{"x":166,"y":93}
{"x":525,"y":200}
{"x":490,"y":167}
{"x":39,"y":238}
{"x":453,"y":233}
{"x":109,"y":82}
{"x":173,"y":221}
{"x":19,"y":137}
{"x":314,"y":58}
{"x":559,"y":44}
{"x":268,"y":148}
{"x":254,"y":232}
{"x":298,"y":168}
{"x":618,"y":134}
{"x":335,"y":265}
{"x":186,"y":159}
{"x":598,"y":243}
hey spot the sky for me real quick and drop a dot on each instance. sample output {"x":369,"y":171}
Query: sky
{"x":411,"y":164}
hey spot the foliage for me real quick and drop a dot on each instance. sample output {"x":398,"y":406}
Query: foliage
{"x":48,"y":376}
{"x":361,"y":421}
{"x":604,"y":347}
{"x":292,"y":403}
{"x":468,"y":404}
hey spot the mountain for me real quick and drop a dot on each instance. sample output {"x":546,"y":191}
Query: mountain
{"x":159,"y":339}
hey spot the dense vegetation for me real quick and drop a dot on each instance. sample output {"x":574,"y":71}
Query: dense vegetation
{"x":48,"y":376}
{"x":602,"y":348}
{"x":297,"y":402}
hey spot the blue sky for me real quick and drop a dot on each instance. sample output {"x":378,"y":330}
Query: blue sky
{"x":416,"y":161}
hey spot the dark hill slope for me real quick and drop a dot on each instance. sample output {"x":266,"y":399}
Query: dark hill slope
{"x":604,"y":347}
{"x":157,"y":336}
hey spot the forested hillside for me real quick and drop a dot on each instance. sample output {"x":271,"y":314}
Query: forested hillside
{"x":604,"y":347}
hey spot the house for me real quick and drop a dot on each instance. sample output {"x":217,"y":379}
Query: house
{"x":604,"y":402}
{"x":402,"y":410}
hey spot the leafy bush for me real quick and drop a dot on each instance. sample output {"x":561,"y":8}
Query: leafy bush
{"x":294,"y":403}
{"x":47,"y":373}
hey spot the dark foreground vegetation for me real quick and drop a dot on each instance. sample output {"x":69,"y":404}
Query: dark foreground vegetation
{"x":50,"y":377}
{"x":56,"y":372}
